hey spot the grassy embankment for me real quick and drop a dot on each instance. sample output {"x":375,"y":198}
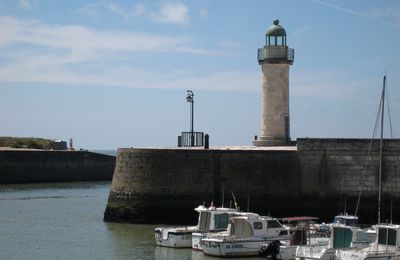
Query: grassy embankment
{"x":25,"y":142}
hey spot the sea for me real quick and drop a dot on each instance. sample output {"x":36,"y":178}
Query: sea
{"x":65,"y":221}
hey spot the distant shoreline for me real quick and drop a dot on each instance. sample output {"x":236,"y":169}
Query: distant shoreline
{"x":23,"y":165}
{"x":106,"y":152}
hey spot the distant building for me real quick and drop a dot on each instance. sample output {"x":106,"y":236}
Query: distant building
{"x":59,"y":145}
{"x":71,"y":144}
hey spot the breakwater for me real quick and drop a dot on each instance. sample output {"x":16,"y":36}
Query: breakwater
{"x":318,"y":177}
{"x":30,"y":166}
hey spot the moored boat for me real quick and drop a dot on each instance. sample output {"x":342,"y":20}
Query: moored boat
{"x":247,"y":234}
{"x":210,"y":219}
{"x":385,"y":247}
{"x":363,"y":236}
{"x":197,"y":237}
{"x":216,"y":225}
{"x":302,"y":232}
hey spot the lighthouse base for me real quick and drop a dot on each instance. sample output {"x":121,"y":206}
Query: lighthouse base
{"x":272,"y":141}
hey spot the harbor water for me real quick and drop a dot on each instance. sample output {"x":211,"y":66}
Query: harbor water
{"x":65,"y":221}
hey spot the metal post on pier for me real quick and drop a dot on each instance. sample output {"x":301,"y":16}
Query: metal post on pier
{"x":190,"y":99}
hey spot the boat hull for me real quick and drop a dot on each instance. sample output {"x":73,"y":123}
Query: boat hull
{"x":288,"y":252}
{"x":197,"y":238}
{"x":285,"y":253}
{"x":315,"y":252}
{"x":173,"y":239}
{"x":233,"y":248}
{"x":359,"y":255}
{"x":197,"y":243}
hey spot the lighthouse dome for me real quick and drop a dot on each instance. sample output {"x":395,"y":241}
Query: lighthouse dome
{"x":276,"y":29}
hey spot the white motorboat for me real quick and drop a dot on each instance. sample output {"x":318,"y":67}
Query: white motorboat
{"x":385,"y":247}
{"x":197,"y":237}
{"x":210,"y":219}
{"x":302,"y":232}
{"x":217,"y":226}
{"x":362,"y":236}
{"x":342,"y":236}
{"x":247,"y":234}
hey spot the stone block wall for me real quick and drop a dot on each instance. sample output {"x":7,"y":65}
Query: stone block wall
{"x":164,"y":185}
{"x":54,"y":166}
{"x":322,"y":178}
{"x":341,"y":168}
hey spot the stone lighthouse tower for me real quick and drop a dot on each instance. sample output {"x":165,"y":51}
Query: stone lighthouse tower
{"x":275,"y":59}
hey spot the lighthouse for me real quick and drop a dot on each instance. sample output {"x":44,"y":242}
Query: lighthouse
{"x":275,"y":59}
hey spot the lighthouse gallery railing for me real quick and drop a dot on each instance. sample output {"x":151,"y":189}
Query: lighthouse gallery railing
{"x":275,"y":52}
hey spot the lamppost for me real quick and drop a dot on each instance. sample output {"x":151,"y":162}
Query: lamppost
{"x":189,"y":98}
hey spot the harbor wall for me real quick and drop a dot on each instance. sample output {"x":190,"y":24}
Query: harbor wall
{"x":31,"y":166}
{"x":322,"y":177}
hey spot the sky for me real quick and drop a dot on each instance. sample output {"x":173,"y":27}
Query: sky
{"x":112,"y":74}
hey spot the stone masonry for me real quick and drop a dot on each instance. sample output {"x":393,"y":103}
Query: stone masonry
{"x":318,"y":179}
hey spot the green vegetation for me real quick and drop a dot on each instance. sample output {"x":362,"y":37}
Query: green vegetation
{"x":25,"y":142}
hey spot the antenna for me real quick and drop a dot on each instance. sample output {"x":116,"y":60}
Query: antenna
{"x":388,"y":109}
{"x":234,"y":200}
{"x":222,"y":195}
{"x":380,"y":150}
{"x":391,"y":210}
{"x":248,"y":200}
{"x":340,"y":196}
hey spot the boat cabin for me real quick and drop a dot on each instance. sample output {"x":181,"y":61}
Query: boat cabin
{"x":252,"y":225}
{"x":348,"y":220}
{"x":341,"y":237}
{"x":215,"y":219}
{"x":388,"y":237}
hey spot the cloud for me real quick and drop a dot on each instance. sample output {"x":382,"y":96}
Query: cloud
{"x":33,"y":51}
{"x":168,"y":12}
{"x":172,"y":13}
{"x":126,"y":15}
{"x":49,"y":69}
{"x":77,"y":38}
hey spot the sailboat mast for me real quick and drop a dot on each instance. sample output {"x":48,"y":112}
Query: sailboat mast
{"x":380,"y":150}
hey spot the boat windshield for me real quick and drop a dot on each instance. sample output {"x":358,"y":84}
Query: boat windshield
{"x":342,"y":237}
{"x":221,"y":221}
{"x":346,"y":221}
{"x":274,"y":224}
{"x":204,"y":220}
{"x":387,"y":236}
